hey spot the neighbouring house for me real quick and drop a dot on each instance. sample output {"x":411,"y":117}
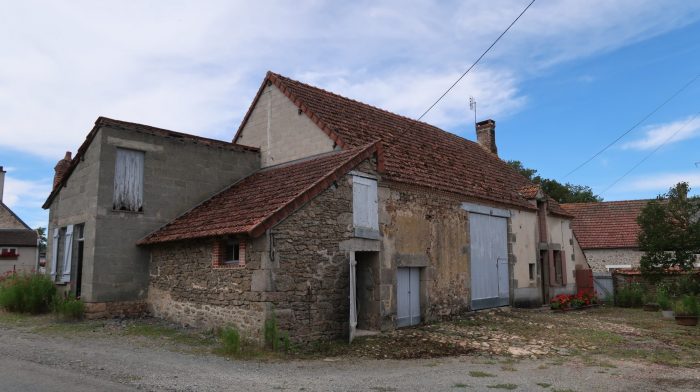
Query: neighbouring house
{"x":18,"y":242}
{"x":125,"y":181}
{"x":607,"y":233}
{"x":346,"y":217}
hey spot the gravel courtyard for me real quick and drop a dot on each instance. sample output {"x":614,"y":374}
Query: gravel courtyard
{"x":621,"y":350}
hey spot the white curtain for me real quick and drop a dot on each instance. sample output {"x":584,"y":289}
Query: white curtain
{"x":67,"y":254}
{"x":54,"y":253}
{"x":353,"y":298}
{"x":128,"y":180}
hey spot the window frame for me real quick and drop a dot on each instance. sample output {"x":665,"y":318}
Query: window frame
{"x":140,"y":197}
{"x":365,"y":206}
{"x":220,"y":250}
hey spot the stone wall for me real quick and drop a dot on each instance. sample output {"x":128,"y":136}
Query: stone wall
{"x":296,"y":271}
{"x":8,"y":220}
{"x":428,"y":230}
{"x":599,"y":258}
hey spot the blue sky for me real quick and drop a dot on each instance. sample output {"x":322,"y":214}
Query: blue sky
{"x":567,"y":79}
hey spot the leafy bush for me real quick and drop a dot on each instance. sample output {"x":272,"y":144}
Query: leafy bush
{"x":687,"y":306}
{"x":230,"y":340}
{"x":630,"y":296}
{"x":69,"y":308}
{"x":27,"y":293}
{"x":663,"y":299}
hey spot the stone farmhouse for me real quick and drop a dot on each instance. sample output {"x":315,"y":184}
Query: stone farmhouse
{"x":19,"y":244}
{"x":607,"y":233}
{"x":330,"y":214}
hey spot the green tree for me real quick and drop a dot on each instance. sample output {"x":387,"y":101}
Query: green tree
{"x":563,"y":193}
{"x":41,"y":232}
{"x":670,"y":230}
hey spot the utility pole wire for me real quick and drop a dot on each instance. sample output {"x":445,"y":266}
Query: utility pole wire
{"x":633,"y":126}
{"x":652,"y":153}
{"x":475,"y":63}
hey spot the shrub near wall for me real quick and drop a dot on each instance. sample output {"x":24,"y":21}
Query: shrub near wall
{"x":26,"y":293}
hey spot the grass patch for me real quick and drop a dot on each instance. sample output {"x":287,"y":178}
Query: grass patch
{"x":509,"y":368}
{"x":461,"y":385}
{"x":543,"y":384}
{"x":478,"y":373}
{"x":503,"y":386}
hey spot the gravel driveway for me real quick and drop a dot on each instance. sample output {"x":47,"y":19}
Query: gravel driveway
{"x":59,"y":362}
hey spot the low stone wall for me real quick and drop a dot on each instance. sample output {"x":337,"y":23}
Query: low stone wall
{"x":98,"y":310}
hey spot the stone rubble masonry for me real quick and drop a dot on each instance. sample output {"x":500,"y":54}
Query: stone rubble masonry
{"x":599,"y":258}
{"x":98,"y":310}
{"x":295,"y":271}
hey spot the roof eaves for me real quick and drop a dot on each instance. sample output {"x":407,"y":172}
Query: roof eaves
{"x":313,"y":190}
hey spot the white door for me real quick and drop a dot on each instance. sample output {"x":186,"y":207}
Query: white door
{"x":407,"y":296}
{"x":489,"y":261}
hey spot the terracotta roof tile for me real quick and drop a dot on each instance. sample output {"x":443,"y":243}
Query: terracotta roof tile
{"x":416,"y":152}
{"x":606,"y":225}
{"x":262,"y":199}
{"x":17,"y":237}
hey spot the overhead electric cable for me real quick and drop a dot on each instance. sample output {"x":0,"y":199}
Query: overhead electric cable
{"x":476,"y":62}
{"x":638,"y":123}
{"x":652,"y":153}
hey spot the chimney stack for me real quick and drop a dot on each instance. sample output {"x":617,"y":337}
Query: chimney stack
{"x":61,"y":168}
{"x":2,"y":182}
{"x":486,"y":135}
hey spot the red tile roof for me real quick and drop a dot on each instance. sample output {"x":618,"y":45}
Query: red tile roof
{"x":108,"y":122}
{"x":416,"y":153}
{"x":18,"y":237}
{"x":259,"y":201}
{"x":606,"y":225}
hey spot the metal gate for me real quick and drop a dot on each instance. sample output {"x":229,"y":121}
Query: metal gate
{"x":489,"y":261}
{"x":603,"y":285}
{"x":407,"y":296}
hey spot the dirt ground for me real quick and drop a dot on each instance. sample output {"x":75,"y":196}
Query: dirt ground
{"x":600,"y":349}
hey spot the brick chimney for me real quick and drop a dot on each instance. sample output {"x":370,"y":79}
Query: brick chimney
{"x":486,"y":135}
{"x":2,"y":182}
{"x":61,"y":168}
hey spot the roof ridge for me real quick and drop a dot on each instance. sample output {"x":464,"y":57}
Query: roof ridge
{"x":386,"y":111}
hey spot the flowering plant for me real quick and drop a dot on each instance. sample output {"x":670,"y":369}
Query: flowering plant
{"x":571,"y":301}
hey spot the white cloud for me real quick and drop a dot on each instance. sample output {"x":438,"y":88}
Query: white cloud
{"x":656,"y":135}
{"x":663,"y":181}
{"x":194,"y":66}
{"x":23,"y":193}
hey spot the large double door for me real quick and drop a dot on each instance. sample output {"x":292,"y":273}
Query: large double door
{"x":489,"y":261}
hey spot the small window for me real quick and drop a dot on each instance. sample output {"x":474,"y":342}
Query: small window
{"x":128,"y":180}
{"x":531,"y":271}
{"x":229,"y":253}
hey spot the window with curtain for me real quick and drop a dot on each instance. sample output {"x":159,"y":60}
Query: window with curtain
{"x":128,"y":180}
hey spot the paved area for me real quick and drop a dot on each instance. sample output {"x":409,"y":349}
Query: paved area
{"x":32,"y":361}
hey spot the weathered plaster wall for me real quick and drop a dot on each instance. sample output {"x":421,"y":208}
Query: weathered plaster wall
{"x":427,"y":230}
{"x":580,"y":259}
{"x":524,"y":227}
{"x":561,"y":235}
{"x":26,"y":262}
{"x":280,"y":131}
{"x":599,"y":258}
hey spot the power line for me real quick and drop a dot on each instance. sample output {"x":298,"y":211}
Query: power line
{"x":652,"y":153}
{"x":638,"y":123}
{"x":476,"y":62}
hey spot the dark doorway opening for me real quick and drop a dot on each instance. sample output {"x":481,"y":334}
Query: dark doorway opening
{"x":79,"y":266}
{"x":367,"y":290}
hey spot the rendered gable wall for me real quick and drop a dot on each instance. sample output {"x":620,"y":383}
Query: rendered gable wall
{"x":281,"y":133}
{"x":8,"y":220}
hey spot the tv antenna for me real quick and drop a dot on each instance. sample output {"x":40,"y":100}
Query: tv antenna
{"x":472,"y":106}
